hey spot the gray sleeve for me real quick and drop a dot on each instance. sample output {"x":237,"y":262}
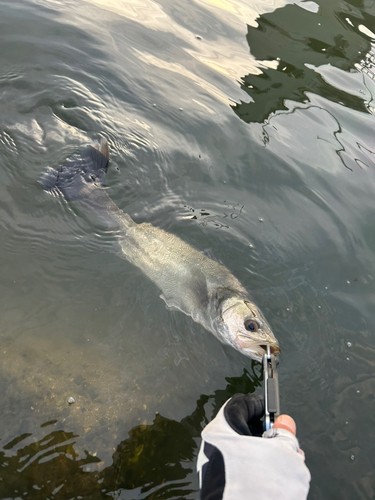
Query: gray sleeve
{"x":254,"y":467}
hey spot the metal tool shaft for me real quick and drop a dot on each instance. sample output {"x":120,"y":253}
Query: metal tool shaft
{"x":271,"y":389}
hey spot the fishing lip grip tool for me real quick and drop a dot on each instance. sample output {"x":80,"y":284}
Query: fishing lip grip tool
{"x":271,"y":389}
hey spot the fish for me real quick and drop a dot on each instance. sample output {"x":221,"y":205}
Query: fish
{"x":189,"y":280}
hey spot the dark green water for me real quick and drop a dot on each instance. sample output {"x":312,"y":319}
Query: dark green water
{"x":247,"y":128}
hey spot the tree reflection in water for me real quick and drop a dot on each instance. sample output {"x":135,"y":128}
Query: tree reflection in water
{"x":291,"y":43}
{"x":156,"y":461}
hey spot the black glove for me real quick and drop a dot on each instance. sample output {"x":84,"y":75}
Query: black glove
{"x":243,"y":413}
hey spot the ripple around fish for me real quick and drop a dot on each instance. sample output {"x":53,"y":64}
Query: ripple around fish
{"x":7,"y":143}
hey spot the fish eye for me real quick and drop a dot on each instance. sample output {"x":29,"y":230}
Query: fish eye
{"x":251,"y":325}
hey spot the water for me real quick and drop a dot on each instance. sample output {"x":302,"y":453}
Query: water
{"x":247,"y":130}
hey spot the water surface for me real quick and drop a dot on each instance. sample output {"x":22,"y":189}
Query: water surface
{"x":246,"y":128}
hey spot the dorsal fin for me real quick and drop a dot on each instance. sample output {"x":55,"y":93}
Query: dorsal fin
{"x":102,"y":146}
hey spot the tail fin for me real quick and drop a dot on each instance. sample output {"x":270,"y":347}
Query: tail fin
{"x":72,"y":180}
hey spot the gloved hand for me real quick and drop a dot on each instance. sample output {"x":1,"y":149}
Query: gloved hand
{"x":235,"y":463}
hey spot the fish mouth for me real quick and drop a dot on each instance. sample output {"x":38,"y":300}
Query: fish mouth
{"x":246,"y":342}
{"x":275,"y":349}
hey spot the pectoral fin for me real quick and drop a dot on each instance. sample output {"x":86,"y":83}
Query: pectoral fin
{"x":191,"y":297}
{"x":198,"y":286}
{"x":171,"y":303}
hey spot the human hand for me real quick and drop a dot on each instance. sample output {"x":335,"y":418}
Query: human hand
{"x":286,"y":422}
{"x":235,"y":462}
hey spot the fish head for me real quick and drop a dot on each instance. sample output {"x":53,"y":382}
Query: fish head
{"x":246,"y":329}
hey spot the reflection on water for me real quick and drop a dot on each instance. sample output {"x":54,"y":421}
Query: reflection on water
{"x":300,"y":44}
{"x":284,"y":197}
{"x":156,"y":460}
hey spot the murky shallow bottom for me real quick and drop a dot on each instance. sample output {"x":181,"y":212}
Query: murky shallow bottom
{"x":280,"y":190}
